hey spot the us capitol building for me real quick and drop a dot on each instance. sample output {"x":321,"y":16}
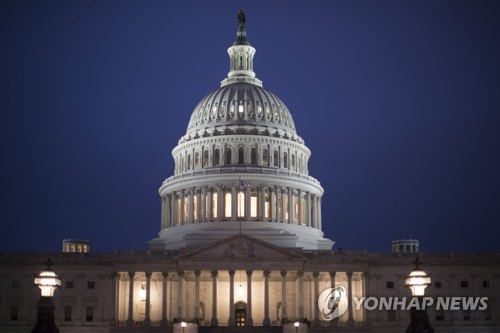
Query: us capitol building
{"x":241,"y":242}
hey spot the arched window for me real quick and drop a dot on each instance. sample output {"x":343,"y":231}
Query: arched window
{"x":276,"y":158}
{"x":285,"y":160}
{"x":227,"y":204}
{"x":205,"y":158}
{"x":293,"y":161}
{"x":217,"y":156}
{"x":241,"y":155}
{"x":253,"y":156}
{"x":241,"y":204}
{"x":196,"y":160}
{"x":265,"y":156}
{"x":228,"y":156}
{"x":189,"y":162}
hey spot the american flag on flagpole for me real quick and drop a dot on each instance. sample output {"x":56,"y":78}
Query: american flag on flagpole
{"x":244,"y":185}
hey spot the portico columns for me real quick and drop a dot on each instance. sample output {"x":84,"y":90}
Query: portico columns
{"x":308,"y":209}
{"x":283,"y":206}
{"x":147,"y":318}
{"x":174,"y":211}
{"x":249,"y":319}
{"x":220,"y":200}
{"x":198,"y":206}
{"x":300,"y":293}
{"x":300,"y":217}
{"x":163,"y":322}
{"x":267,"y":320}
{"x":231,"y":320}
{"x":332,"y":285}
{"x":319,"y":215}
{"x":209,"y":205}
{"x":130,"y":319}
{"x":180,"y":294}
{"x":114,"y":292}
{"x":350,"y":321}
{"x":316,"y":294}
{"x":283,"y":296}
{"x":197,"y":294}
{"x":214,"y":321}
{"x":203,"y":203}
{"x":291,"y":206}
{"x":191,"y":207}
{"x":163,"y":212}
{"x":181,"y":206}
{"x":272,"y":192}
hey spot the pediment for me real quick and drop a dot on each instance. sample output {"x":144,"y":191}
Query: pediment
{"x":241,"y":247}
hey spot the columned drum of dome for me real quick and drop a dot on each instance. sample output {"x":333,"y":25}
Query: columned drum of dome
{"x":241,"y":168}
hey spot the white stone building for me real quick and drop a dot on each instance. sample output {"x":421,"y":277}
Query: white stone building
{"x":240,"y":242}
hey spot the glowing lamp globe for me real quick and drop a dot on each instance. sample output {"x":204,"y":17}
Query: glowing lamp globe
{"x":417,"y":281}
{"x":183,"y":324}
{"x":48,"y":282}
{"x":296,"y":324}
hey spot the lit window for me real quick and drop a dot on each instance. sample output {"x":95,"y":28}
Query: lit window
{"x":250,"y":108}
{"x":267,"y":203}
{"x":227,"y":205}
{"x":195,"y":207}
{"x":296,"y":210}
{"x":241,"y":204}
{"x":240,"y":108}
{"x":185,"y":208}
{"x":287,"y":209}
{"x":214,"y":205}
{"x":214,"y":112}
{"x":253,"y":205}
{"x":259,"y":110}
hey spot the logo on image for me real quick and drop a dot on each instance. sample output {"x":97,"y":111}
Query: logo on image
{"x":332,"y":302}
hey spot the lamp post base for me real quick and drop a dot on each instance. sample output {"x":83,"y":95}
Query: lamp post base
{"x":45,"y":317}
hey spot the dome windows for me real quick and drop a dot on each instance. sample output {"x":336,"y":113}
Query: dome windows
{"x":231,"y":110}
{"x":217,"y":156}
{"x":253,"y":156}
{"x":228,"y":156}
{"x":241,"y":109}
{"x":259,"y":110}
{"x":241,"y":155}
{"x":276,"y":158}
{"x":265,"y":156}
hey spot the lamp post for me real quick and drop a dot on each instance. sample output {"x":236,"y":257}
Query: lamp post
{"x":296,"y":324}
{"x":417,"y":281}
{"x":48,"y":282}
{"x":183,"y":324}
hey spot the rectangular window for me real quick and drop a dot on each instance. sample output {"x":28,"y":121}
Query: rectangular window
{"x":14,"y":312}
{"x":16,"y":284}
{"x":253,"y":206}
{"x":67,"y":312}
{"x":89,"y":313}
{"x":90,"y":285}
{"x":391,"y":315}
{"x":214,"y":205}
{"x":389,"y":284}
{"x":69,"y":284}
{"x":486,"y":284}
{"x":227,"y":205}
{"x":464,"y":284}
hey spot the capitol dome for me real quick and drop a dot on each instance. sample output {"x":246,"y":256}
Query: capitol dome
{"x":241,"y":168}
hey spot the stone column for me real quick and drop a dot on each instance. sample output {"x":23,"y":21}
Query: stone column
{"x":320,"y":223}
{"x":283,"y":206}
{"x":163,"y":213}
{"x":114,"y":297}
{"x":300,"y":220}
{"x":262,"y":204}
{"x":174,"y":211}
{"x":247,"y":204}
{"x":181,"y":213}
{"x":197,"y":294}
{"x":168,"y":218}
{"x":203,"y":203}
{"x":191,"y":207}
{"x":130,"y":319}
{"x":220,"y":200}
{"x":350,"y":321}
{"x":291,"y":206}
{"x":300,"y":293}
{"x":332,"y":285}
{"x":267,"y":320}
{"x":315,"y":299}
{"x":283,"y":296}
{"x":214,"y":321}
{"x":366,"y":283}
{"x":308,"y":209}
{"x":249,"y":319}
{"x":272,"y":192}
{"x":198,"y":206}
{"x":314,"y":223}
{"x":147,"y":319}
{"x":180,"y":295}
{"x":163,"y":322}
{"x":234,"y":205}
{"x":231,"y":321}
{"x":209,"y":205}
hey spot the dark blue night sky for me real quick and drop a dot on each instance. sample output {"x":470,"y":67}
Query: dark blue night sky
{"x":399,"y":102}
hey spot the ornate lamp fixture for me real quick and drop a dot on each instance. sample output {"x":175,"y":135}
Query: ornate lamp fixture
{"x":48,"y":282}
